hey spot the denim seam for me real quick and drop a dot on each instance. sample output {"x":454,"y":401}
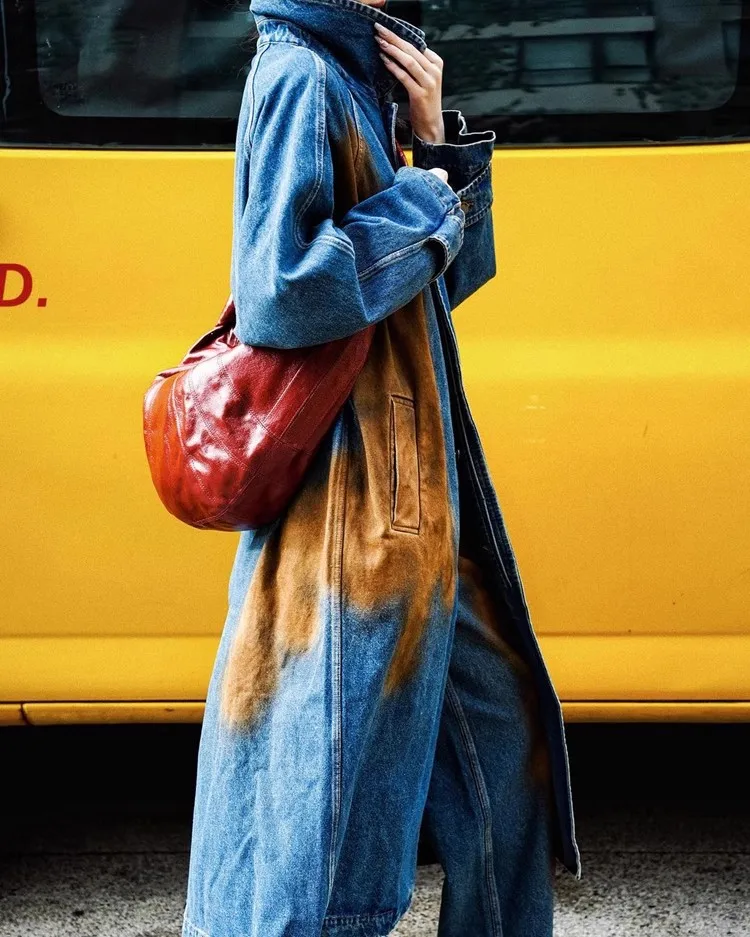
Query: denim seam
{"x":320,"y":119}
{"x":480,"y":182}
{"x":450,"y":254}
{"x":484,"y":803}
{"x":393,"y":464}
{"x":407,"y":251}
{"x":360,"y":133}
{"x":389,"y":259}
{"x":289,"y":37}
{"x":192,"y":930}
{"x":476,"y":181}
{"x":340,"y":925}
{"x":471,"y":219}
{"x":345,"y":245}
{"x":336,"y":608}
{"x":251,"y":120}
{"x":338,"y":920}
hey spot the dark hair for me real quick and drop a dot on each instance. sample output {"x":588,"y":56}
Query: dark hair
{"x":250,"y":42}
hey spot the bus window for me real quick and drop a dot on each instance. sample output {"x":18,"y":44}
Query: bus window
{"x":579,"y":71}
{"x":166,"y":59}
{"x":97,"y":72}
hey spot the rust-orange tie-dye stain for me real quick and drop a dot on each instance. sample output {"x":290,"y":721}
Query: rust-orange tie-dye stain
{"x":398,"y":544}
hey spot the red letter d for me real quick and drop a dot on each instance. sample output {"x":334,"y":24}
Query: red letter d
{"x":25,"y":275}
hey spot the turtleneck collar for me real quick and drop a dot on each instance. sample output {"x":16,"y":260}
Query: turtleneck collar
{"x":346,"y":27}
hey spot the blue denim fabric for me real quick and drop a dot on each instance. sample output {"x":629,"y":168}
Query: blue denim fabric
{"x":371,"y":681}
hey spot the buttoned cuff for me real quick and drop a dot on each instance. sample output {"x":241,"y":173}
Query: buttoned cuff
{"x":449,"y":237}
{"x":467,"y":158}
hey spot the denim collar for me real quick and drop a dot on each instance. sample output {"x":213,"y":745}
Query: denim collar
{"x":346,"y":27}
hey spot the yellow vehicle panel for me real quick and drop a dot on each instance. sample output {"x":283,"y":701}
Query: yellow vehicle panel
{"x":608,"y":366}
{"x":607,"y":363}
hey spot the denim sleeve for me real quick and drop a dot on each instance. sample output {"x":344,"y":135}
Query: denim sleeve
{"x":467,"y":157}
{"x":300,"y":277}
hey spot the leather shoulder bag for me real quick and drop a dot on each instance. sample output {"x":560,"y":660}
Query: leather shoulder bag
{"x":231,"y":430}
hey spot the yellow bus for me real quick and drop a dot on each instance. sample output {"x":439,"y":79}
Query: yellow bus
{"x":608,"y":362}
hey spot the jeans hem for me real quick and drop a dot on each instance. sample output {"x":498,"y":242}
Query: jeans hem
{"x":363,"y":925}
{"x":192,"y":930}
{"x":378,"y":924}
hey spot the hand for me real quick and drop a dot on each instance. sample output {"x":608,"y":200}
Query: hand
{"x":440,"y":173}
{"x":421,"y":74}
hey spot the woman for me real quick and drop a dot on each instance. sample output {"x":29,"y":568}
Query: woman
{"x":377,"y":673}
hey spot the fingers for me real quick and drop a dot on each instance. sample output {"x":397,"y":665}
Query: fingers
{"x":413,"y":87}
{"x":425,"y":68}
{"x":433,"y":57}
{"x":402,"y":56}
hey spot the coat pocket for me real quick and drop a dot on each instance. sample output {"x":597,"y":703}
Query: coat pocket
{"x":405,"y":500}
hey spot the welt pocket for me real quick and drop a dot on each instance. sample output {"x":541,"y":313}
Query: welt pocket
{"x":406,"y":505}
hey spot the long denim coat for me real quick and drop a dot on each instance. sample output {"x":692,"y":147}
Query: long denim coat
{"x":329,"y":679}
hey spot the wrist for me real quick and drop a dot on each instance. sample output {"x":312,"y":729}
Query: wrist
{"x":433,"y":132}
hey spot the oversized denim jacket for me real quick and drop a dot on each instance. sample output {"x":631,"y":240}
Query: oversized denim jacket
{"x":332,"y":234}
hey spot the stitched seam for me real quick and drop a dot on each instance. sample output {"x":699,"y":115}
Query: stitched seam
{"x":402,"y":252}
{"x":337,"y":604}
{"x":251,"y":120}
{"x":475,"y":182}
{"x":320,"y":137}
{"x":312,"y":45}
{"x":343,"y":920}
{"x":483,"y":798}
{"x":390,"y":259}
{"x":250,"y":416}
{"x":323,"y":377}
{"x":479,"y":178}
{"x":280,"y":397}
{"x":456,"y":146}
{"x":409,"y":403}
{"x":195,"y":930}
{"x":360,"y":134}
{"x":337,"y":242}
{"x":319,"y":141}
{"x":257,"y":474}
{"x":470,"y":219}
{"x":447,"y":258}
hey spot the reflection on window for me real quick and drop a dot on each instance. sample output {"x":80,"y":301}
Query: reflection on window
{"x":189,"y":58}
{"x":573,"y":56}
{"x":143,"y":58}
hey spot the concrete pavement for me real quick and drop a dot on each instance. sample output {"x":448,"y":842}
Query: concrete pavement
{"x":95,"y":833}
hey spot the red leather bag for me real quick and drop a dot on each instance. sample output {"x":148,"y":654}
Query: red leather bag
{"x":231,"y":430}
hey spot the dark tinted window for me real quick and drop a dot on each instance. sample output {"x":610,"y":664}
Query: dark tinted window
{"x":596,"y":70}
{"x":147,"y":58}
{"x":160,"y":73}
{"x":170,"y":72}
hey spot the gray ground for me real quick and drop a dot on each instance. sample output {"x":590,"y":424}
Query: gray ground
{"x":95,"y":824}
